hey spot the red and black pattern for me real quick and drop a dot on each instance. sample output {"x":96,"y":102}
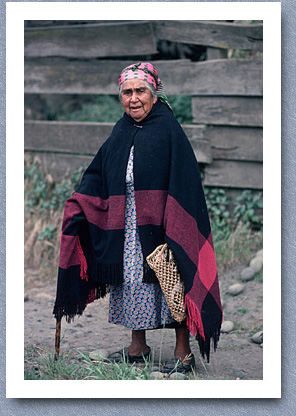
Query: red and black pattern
{"x":170,"y":206}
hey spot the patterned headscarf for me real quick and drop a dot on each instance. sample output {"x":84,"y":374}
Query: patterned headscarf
{"x":146,"y":72}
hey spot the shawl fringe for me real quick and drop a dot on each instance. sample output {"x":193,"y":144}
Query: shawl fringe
{"x":196,"y":328}
{"x":205,"y":344}
{"x":194,"y":321}
{"x":73,"y":306}
{"x":104,"y":273}
{"x":83,"y":263}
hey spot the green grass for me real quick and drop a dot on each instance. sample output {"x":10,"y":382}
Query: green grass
{"x":41,"y":365}
{"x":242,"y":310}
{"x":239,"y":247}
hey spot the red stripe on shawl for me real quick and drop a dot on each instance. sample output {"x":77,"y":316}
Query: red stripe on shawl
{"x":69,"y":255}
{"x":71,"y":208}
{"x":207,"y":265}
{"x":107,"y":214}
{"x":182,"y":228}
{"x":150,"y":206}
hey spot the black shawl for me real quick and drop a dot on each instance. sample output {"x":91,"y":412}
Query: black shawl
{"x":170,"y":206}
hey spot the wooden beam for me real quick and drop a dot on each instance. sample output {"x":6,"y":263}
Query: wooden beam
{"x":216,"y":53}
{"x":86,"y":138}
{"x":66,"y":136}
{"x":215,"y":34}
{"x":210,"y":33}
{"x":234,"y":174}
{"x":236,"y":143}
{"x":58,"y":165}
{"x":227,"y":77}
{"x":91,"y":40}
{"x":229,"y":111}
{"x":49,"y":23}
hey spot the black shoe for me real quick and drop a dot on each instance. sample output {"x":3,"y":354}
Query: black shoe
{"x":178,"y":366}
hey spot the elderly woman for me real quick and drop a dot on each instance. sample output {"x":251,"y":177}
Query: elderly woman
{"x":142,"y":189}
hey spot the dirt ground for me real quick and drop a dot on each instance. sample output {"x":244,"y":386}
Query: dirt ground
{"x":237,"y":357}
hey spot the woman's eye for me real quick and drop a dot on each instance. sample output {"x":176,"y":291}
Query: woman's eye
{"x":127,"y":93}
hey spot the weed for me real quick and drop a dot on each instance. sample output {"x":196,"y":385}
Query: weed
{"x":254,"y":330}
{"x":248,"y":206}
{"x":238,"y":247}
{"x":71,"y":366}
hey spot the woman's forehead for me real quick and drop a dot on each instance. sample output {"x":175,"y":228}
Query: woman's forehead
{"x":133,"y":83}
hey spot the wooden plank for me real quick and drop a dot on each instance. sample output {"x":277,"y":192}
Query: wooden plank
{"x":48,"y":23}
{"x":228,"y":77}
{"x":64,"y":137}
{"x":91,"y":41}
{"x":234,"y":174}
{"x":216,"y":53}
{"x":87,"y":138}
{"x":215,"y":34}
{"x":236,"y":143}
{"x":200,"y":143}
{"x":230,"y":111}
{"x":210,"y":33}
{"x":59,"y":165}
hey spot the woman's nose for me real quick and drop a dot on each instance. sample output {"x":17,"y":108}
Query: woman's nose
{"x":134,"y":96}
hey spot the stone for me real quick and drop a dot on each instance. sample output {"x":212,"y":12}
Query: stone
{"x":227,"y":326}
{"x":177,"y":376}
{"x":43,"y":296}
{"x":247,"y":274}
{"x":239,"y":374}
{"x":261,"y":345}
{"x":258,"y":337}
{"x":257,"y":263}
{"x":236,"y":289}
{"x":157,"y":375}
{"x":259,"y":253}
{"x":98,"y":355}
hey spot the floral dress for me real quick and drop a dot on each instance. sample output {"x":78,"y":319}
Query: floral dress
{"x":135,"y":304}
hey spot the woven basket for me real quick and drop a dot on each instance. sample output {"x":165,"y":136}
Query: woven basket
{"x":161,"y":260}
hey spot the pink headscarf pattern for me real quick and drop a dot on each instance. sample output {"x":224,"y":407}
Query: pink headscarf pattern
{"x":146,"y":72}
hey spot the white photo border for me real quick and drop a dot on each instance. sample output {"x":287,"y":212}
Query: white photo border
{"x":270,"y":386}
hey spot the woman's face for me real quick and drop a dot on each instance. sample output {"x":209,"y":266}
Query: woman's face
{"x":137,"y":99}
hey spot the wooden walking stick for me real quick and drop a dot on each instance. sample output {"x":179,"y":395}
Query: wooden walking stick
{"x":57,"y":337}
